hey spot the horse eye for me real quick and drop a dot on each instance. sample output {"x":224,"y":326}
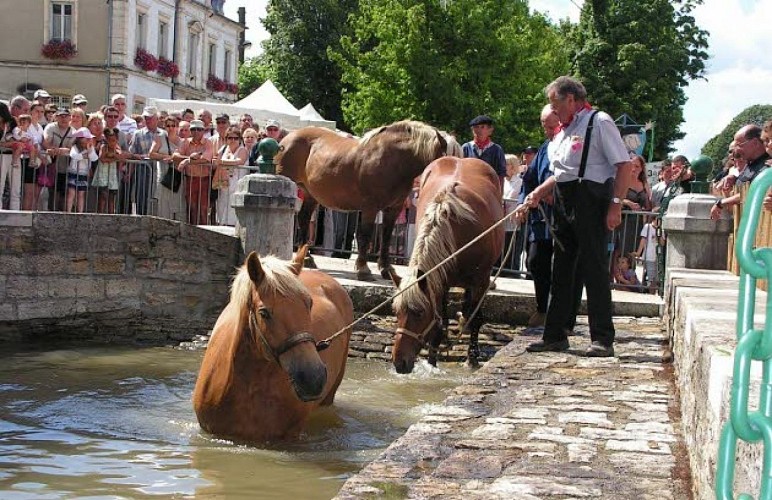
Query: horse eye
{"x":264,"y":312}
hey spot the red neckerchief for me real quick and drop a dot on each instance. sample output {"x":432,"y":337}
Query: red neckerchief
{"x":482,"y":145}
{"x":585,"y":107}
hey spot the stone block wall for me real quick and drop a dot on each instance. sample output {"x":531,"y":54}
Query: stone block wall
{"x":110,"y":278}
{"x":701,"y":315}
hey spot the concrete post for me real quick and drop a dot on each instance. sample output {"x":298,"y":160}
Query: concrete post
{"x":265,"y":209}
{"x":694,"y":241}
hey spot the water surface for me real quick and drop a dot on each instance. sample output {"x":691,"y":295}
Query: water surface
{"x":118,"y":423}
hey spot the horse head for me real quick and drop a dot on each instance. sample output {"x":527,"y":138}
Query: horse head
{"x":418,"y":321}
{"x":279,"y":308}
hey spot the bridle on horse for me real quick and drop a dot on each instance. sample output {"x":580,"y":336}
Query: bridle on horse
{"x":436,"y":320}
{"x":288,"y":344}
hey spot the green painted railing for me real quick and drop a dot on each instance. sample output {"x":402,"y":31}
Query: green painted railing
{"x":752,"y":345}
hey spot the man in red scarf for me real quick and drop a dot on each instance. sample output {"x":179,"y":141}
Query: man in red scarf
{"x":483,"y":148}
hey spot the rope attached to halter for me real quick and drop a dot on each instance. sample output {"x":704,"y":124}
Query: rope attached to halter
{"x":425,"y":275}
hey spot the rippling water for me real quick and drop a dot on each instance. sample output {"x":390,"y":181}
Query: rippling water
{"x":118,"y":423}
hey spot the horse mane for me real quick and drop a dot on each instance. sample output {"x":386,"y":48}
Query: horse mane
{"x":434,"y":243}
{"x":423,"y":137}
{"x":453,"y":148}
{"x":279,"y":279}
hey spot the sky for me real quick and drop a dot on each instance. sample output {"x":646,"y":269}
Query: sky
{"x":738,"y":74}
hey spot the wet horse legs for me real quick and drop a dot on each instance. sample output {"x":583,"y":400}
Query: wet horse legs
{"x":364,"y":237}
{"x":384,"y":261}
{"x":472,"y":296}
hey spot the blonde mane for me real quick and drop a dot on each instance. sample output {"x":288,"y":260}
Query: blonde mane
{"x":279,"y":279}
{"x":433,"y":244}
{"x":423,"y":137}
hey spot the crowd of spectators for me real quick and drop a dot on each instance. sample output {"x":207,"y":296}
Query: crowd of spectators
{"x":181,"y":164}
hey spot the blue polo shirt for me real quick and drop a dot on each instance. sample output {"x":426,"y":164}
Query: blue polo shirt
{"x":538,"y":171}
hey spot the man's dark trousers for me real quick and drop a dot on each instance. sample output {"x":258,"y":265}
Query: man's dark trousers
{"x":580,"y":225}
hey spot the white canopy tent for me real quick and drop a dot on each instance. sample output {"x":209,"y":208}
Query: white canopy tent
{"x":263,"y":104}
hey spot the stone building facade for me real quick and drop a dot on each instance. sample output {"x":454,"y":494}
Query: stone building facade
{"x":194,"y":34}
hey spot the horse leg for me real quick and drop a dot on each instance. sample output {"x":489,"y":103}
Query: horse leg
{"x":364,"y":237}
{"x":390,"y":215}
{"x":307,"y":210}
{"x":436,"y":340}
{"x":473,"y":295}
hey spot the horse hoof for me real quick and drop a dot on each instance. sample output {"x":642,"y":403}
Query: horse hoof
{"x":472,"y":363}
{"x":365,"y":275}
{"x":309,"y":262}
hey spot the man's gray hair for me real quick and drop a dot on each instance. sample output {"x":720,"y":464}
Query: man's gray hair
{"x":564,"y":85}
{"x":115,"y":97}
{"x":546,"y":111}
{"x":18,"y":101}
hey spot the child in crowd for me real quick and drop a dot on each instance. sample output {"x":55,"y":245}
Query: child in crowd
{"x":24,"y":146}
{"x":81,"y":155}
{"x":625,"y":273}
{"x":647,"y":251}
{"x":106,"y":176}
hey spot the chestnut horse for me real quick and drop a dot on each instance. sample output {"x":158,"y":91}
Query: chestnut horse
{"x":371,"y":174}
{"x":459,"y":199}
{"x":262,"y":375}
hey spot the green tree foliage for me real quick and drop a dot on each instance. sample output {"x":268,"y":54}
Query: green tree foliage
{"x":295,"y":56}
{"x":717,"y":147}
{"x":636,"y":57}
{"x":253,"y":73}
{"x":446,"y":61}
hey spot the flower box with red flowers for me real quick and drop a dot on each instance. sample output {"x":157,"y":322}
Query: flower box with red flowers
{"x":232,"y":88}
{"x":146,"y":60}
{"x":59,"y":49}
{"x":216,"y":84}
{"x":167,"y":68}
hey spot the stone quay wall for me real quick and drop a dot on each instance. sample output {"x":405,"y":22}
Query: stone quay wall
{"x":701,"y":316}
{"x":110,"y":278}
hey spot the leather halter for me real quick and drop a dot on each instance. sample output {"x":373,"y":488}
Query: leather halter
{"x":420,"y":338}
{"x":285,"y":346}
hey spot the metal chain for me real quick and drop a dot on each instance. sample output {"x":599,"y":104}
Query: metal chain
{"x":752,"y":345}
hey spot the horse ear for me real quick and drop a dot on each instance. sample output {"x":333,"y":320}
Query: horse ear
{"x":255,"y":269}
{"x":300,"y":257}
{"x":442,"y":141}
{"x":395,"y":277}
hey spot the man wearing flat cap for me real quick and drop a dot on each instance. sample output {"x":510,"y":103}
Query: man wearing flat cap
{"x":483,"y":148}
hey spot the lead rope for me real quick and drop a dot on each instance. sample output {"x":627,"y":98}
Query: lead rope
{"x":324,"y":344}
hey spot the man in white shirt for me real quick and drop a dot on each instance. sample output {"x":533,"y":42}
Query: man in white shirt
{"x":126,"y":124}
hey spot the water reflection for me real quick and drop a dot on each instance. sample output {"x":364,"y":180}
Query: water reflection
{"x":118,"y":422}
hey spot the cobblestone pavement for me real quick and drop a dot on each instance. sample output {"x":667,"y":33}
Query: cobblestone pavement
{"x":547,"y":426}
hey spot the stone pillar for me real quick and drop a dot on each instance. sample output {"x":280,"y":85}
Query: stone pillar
{"x":265,"y":209}
{"x":694,"y":241}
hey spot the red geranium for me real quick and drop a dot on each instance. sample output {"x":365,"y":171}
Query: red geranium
{"x":59,"y":49}
{"x":233,"y":88}
{"x":167,"y":68}
{"x":216,"y":84}
{"x":145,"y":60}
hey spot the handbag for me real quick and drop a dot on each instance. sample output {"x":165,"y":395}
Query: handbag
{"x":173,"y":177}
{"x":220,"y":177}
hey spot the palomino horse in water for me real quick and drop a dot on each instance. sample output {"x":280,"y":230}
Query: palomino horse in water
{"x":459,"y":199}
{"x":370,"y":174}
{"x":262,"y":375}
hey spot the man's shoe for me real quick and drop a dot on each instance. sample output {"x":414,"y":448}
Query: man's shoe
{"x":559,"y":346}
{"x":537,"y":319}
{"x":598,"y":350}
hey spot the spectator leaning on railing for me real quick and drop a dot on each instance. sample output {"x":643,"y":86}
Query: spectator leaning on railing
{"x":749,"y":146}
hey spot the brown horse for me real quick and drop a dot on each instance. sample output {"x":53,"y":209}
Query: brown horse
{"x":371,"y":174}
{"x":261,"y":375}
{"x":459,"y":199}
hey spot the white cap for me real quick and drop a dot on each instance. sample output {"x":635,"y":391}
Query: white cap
{"x":41,"y":93}
{"x":150,"y":111}
{"x":82,"y":132}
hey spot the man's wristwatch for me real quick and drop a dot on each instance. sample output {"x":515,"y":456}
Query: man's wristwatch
{"x":719,"y":203}
{"x":616,"y":201}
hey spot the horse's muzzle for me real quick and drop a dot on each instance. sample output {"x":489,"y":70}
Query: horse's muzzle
{"x":403,"y":366}
{"x":309,"y":381}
